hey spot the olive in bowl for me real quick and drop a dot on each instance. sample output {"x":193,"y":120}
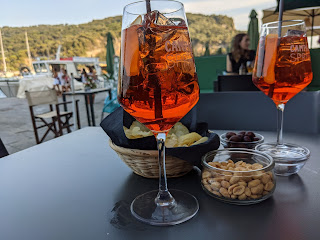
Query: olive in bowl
{"x":241,"y":139}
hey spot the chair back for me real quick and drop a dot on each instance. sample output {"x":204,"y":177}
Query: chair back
{"x":42,"y":97}
{"x":235,"y":83}
{"x":255,"y":111}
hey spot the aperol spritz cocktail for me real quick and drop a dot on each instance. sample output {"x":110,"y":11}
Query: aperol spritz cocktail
{"x":287,"y":67}
{"x":282,"y":69}
{"x":159,"y":82}
{"x":158,"y":86}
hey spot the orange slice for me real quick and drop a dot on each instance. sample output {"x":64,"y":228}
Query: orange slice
{"x":131,"y":50}
{"x":270,"y":58}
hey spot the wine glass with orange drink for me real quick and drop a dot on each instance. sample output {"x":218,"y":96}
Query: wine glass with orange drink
{"x":282,"y":69}
{"x":158,"y":86}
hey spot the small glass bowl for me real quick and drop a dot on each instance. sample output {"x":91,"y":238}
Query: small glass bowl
{"x":287,"y":162}
{"x":230,"y":144}
{"x":238,"y":176}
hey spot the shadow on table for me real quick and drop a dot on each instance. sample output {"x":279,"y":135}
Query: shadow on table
{"x":287,"y":222}
{"x":120,"y":216}
{"x":291,"y":190}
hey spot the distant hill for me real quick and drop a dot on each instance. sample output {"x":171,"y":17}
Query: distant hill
{"x":89,"y":39}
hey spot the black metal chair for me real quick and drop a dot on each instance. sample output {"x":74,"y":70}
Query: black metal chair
{"x":227,"y":83}
{"x":255,"y":111}
{"x":3,"y":150}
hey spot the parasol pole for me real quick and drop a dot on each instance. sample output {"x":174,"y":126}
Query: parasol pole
{"x":312,"y":24}
{"x":148,"y":6}
{"x":280,"y":18}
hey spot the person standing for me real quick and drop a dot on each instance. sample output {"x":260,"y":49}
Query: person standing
{"x":56,"y":81}
{"x":65,"y":82}
{"x":84,"y":76}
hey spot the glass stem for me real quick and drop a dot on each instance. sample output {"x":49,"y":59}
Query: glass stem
{"x":280,"y":108}
{"x":164,"y":198}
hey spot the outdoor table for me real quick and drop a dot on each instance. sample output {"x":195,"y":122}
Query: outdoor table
{"x":76,"y":187}
{"x":88,"y":93}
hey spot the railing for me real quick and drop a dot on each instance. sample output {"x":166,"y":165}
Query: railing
{"x":8,"y":87}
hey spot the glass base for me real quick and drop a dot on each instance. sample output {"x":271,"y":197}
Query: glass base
{"x":183,"y":208}
{"x":289,"y":158}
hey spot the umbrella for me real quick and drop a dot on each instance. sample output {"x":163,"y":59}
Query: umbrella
{"x":207,"y":51}
{"x":294,"y":4}
{"x":310,"y":15}
{"x":110,"y":54}
{"x":253,"y":30}
{"x":111,"y":102}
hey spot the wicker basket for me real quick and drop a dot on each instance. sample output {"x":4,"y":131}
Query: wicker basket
{"x":145,"y":162}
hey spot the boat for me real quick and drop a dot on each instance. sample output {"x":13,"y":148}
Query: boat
{"x":42,"y":78}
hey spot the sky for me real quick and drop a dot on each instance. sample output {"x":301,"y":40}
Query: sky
{"x":17,"y":13}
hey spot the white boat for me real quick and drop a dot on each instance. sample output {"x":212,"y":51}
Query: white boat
{"x":42,"y":79}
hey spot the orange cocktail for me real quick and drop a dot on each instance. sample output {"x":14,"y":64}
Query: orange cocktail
{"x":283,"y":69}
{"x":286,"y":69}
{"x":158,"y":86}
{"x":159,"y":82}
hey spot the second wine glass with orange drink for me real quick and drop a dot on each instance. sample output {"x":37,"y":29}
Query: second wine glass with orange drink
{"x":283,"y":69}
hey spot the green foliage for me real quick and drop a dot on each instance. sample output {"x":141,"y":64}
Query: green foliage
{"x":89,"y":39}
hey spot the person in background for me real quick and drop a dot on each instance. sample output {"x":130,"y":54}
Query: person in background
{"x":94,"y":76}
{"x":92,"y":73}
{"x":56,"y":81}
{"x":240,"y":54}
{"x":65,"y":82}
{"x":60,"y":75}
{"x":84,"y":76}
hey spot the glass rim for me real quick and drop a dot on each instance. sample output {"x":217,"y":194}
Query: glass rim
{"x":295,"y":23}
{"x":302,"y":156}
{"x":143,"y":1}
{"x":268,"y":167}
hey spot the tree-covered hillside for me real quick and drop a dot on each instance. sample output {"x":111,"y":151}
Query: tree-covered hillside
{"x":89,"y":39}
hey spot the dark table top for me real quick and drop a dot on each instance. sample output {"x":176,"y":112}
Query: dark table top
{"x":75,"y":187}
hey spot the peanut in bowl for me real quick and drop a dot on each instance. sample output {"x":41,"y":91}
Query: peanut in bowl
{"x":238,"y":176}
